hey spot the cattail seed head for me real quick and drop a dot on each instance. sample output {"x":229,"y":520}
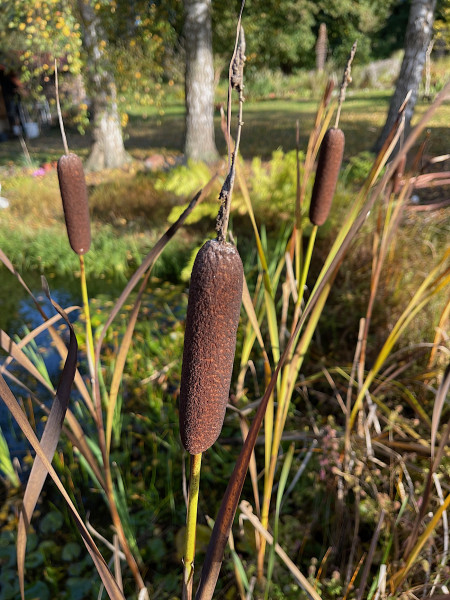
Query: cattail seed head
{"x":212,"y":319}
{"x":328,"y":166}
{"x":72,"y":185}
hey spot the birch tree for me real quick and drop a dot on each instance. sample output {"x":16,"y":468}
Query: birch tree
{"x":199,"y":81}
{"x":108,"y":150}
{"x":418,"y":35}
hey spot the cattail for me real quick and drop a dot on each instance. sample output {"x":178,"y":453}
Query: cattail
{"x":329,"y":163}
{"x":75,"y":202}
{"x":212,"y":320}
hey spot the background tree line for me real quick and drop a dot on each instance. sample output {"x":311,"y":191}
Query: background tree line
{"x":148,"y":36}
{"x":134,"y":47}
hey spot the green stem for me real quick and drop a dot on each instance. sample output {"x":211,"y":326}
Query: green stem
{"x":306,"y":264}
{"x":191,"y":525}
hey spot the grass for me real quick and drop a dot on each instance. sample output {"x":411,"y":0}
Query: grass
{"x":36,"y":199}
{"x":148,"y":131}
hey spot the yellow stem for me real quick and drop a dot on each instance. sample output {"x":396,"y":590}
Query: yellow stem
{"x":191,"y":523}
{"x":87,"y":315}
{"x":306,"y":264}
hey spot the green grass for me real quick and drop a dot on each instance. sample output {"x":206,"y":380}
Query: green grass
{"x":271,"y":124}
{"x":267,"y":125}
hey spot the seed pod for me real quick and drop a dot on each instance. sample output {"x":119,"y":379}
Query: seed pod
{"x":329,"y":163}
{"x":72,"y":185}
{"x":212,"y":320}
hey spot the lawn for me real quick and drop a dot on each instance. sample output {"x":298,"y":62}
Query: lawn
{"x":268,"y":125}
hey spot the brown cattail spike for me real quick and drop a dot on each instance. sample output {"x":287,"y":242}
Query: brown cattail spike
{"x":212,"y":320}
{"x":75,"y":202}
{"x":329,"y":163}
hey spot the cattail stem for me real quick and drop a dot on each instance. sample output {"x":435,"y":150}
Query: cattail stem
{"x":306,"y":264}
{"x":346,"y":79}
{"x":191,"y":525}
{"x":304,"y":275}
{"x":58,"y":110}
{"x":297,"y":236}
{"x":235,"y":81}
{"x":87,"y":315}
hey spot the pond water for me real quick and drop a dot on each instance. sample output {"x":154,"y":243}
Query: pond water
{"x":20,"y":315}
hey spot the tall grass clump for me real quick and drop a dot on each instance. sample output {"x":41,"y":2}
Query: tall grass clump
{"x":368,"y":501}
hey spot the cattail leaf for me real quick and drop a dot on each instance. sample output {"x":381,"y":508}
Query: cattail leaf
{"x":441,"y":396}
{"x":250,"y":310}
{"x":280,"y":492}
{"x":301,"y":579}
{"x":110,"y":584}
{"x":121,"y":360}
{"x":31,"y":335}
{"x":401,"y":575}
{"x":75,"y":433}
{"x":268,"y":294}
{"x":8,"y":264}
{"x":431,"y":285}
{"x":56,"y":338}
{"x":48,"y":444}
{"x":78,"y":439}
{"x":22,"y":359}
{"x":440,"y":332}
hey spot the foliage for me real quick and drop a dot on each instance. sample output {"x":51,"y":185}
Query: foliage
{"x":185,"y":180}
{"x":6,"y":466}
{"x":68,"y":572}
{"x":348,"y":21}
{"x":143,"y":39}
{"x":274,"y":184}
{"x":137,"y":35}
{"x":442,"y":24}
{"x":282,"y":35}
{"x":36,"y":33}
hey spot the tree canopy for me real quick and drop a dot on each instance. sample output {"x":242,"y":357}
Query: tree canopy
{"x":143,"y":37}
{"x":145,"y":46}
{"x":34,"y":33}
{"x":282,"y":33}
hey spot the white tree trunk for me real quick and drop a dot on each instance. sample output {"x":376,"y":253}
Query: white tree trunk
{"x":107,"y":150}
{"x":199,"y":83}
{"x":418,"y":35}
